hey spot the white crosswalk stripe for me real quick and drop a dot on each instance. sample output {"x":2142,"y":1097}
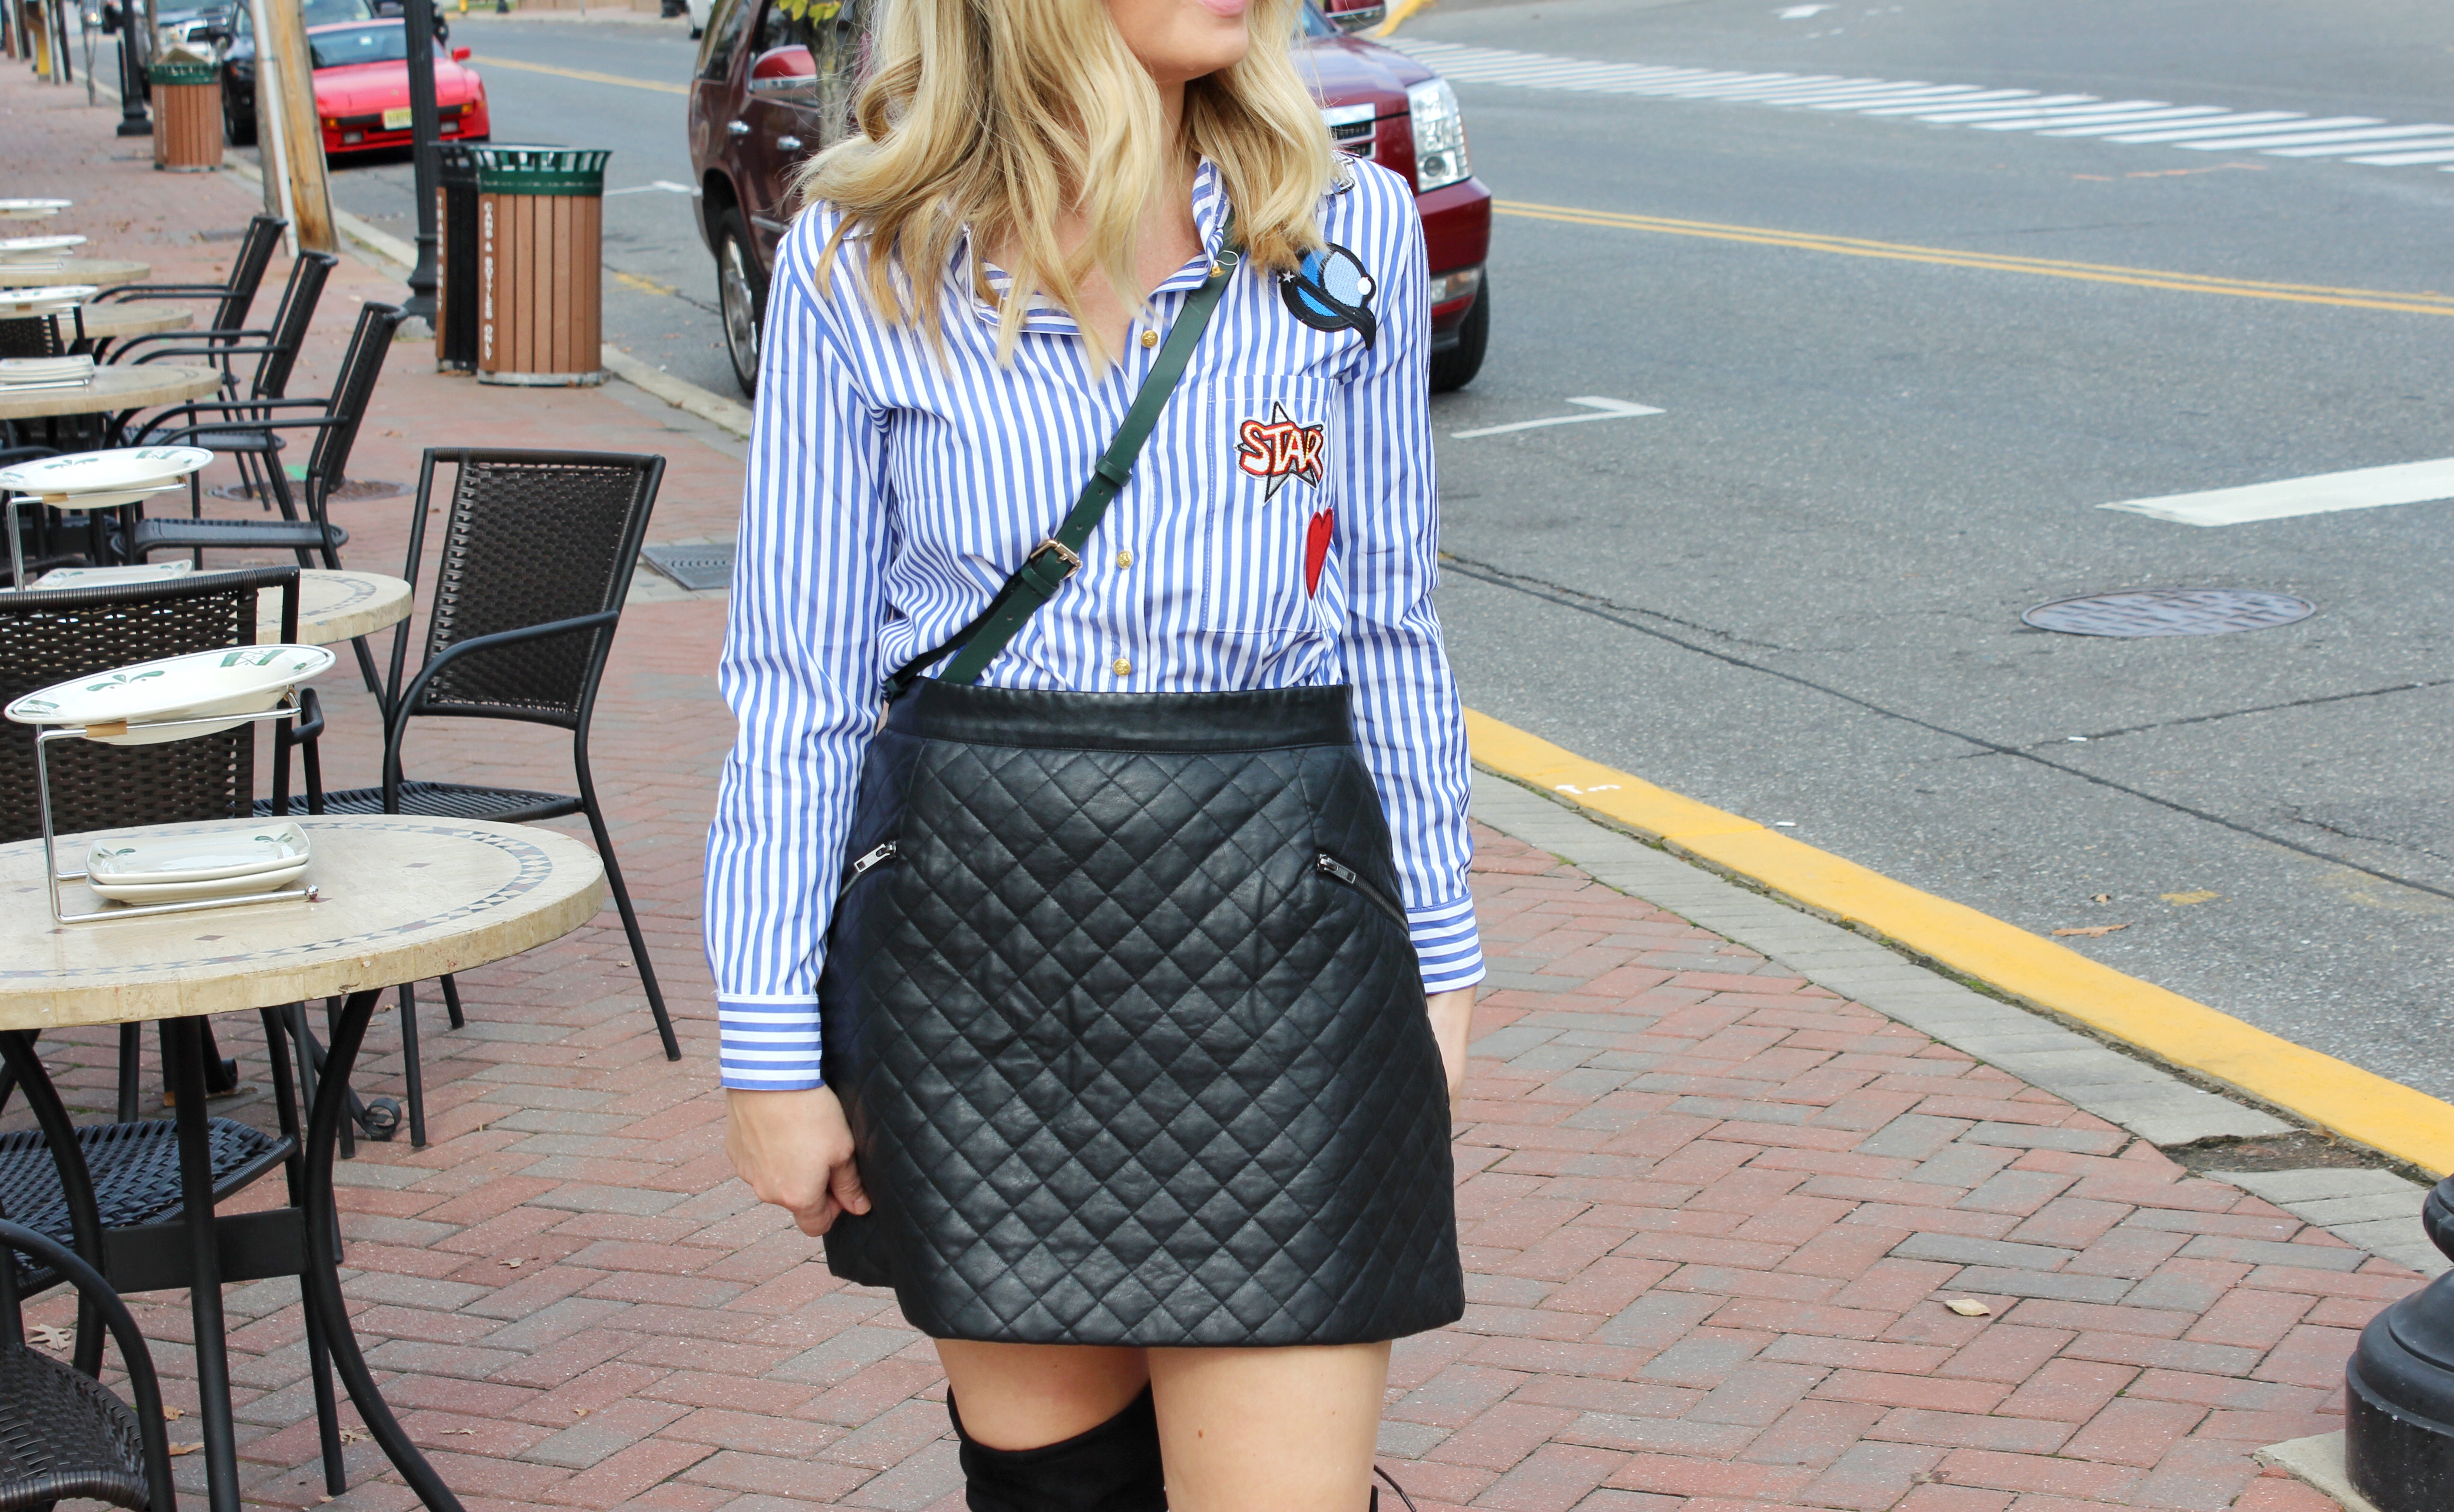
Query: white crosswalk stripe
{"x":2362,"y":139}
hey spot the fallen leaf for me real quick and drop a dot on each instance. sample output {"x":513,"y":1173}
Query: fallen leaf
{"x":460,"y":1431}
{"x":2201,"y":896}
{"x":172,"y":1413}
{"x":1969,"y":1307}
{"x":2092,"y":931}
{"x":354,"y":1435}
{"x":579,"y":1412}
{"x":52,"y":1336}
{"x":515,"y":1263}
{"x":179,"y":1449}
{"x":2100,"y":897}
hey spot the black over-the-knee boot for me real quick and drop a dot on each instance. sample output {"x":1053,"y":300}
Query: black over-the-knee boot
{"x":1114,"y":1468}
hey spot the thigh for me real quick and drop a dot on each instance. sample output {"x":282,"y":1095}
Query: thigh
{"x":1023,"y":1396}
{"x":1287,"y":1429}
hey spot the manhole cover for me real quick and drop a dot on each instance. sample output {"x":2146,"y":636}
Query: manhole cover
{"x":701,"y":565}
{"x":349,"y":493}
{"x":2170,"y":611}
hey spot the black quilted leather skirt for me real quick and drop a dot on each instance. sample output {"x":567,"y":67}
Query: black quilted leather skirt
{"x":1127,"y":1024}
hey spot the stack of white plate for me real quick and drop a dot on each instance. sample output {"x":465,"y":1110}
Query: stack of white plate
{"x":103,"y":577}
{"x":21,"y":210}
{"x":198,"y":864}
{"x":102,"y":480}
{"x":20,"y":253}
{"x":20,"y":374}
{"x":58,"y":299}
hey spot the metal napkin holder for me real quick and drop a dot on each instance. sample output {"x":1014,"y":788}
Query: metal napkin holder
{"x":54,"y":876}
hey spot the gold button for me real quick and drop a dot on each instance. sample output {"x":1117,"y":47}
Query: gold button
{"x":1150,"y":338}
{"x":1214,"y":269}
{"x":1124,"y":559}
{"x":1121,"y":667}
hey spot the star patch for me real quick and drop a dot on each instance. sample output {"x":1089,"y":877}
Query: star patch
{"x":1329,"y":290}
{"x":1281,"y":448}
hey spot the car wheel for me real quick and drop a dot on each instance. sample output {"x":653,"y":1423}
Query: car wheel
{"x":741,"y":295}
{"x":240,"y":129}
{"x":1456,"y":367}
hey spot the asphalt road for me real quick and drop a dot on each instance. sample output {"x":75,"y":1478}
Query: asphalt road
{"x":1795,"y":594}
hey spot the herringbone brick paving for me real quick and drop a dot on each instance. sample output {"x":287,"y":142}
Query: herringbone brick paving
{"x":1711,"y":1213}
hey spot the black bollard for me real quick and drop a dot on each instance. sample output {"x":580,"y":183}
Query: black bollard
{"x":2398,"y":1390}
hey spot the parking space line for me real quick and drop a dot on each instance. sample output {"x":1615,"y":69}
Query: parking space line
{"x":2322,"y":493}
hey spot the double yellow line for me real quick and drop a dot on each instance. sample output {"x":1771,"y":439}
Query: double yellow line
{"x":2427,"y":303}
{"x":659,"y":86}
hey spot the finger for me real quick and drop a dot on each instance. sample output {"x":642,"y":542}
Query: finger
{"x":816,"y":1221}
{"x":844,"y":1187}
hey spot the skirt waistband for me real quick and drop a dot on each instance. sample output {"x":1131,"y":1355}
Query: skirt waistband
{"x":1258,"y":719}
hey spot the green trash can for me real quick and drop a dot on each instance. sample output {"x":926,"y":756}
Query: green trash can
{"x":187,"y":114}
{"x":540,"y":265}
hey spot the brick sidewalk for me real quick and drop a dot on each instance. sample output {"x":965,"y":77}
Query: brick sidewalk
{"x":1711,"y":1211}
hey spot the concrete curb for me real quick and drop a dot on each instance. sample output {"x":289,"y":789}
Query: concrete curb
{"x":2332,"y":1094}
{"x":725,"y":414}
{"x":2373,"y":1210}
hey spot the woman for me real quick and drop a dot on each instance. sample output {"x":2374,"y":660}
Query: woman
{"x":1099,"y":993}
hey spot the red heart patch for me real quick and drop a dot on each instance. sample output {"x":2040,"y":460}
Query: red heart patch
{"x":1317,"y":549}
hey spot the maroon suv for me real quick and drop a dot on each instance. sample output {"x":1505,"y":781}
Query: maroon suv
{"x":774,"y":82}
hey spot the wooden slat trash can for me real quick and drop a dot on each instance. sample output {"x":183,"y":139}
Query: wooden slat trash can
{"x":540,"y":265}
{"x":187,"y":114}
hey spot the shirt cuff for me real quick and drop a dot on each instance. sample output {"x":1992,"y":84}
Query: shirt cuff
{"x":768,"y":1044}
{"x":1448,"y":945}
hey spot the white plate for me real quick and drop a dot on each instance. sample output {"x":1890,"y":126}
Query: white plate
{"x":36,"y":248}
{"x":104,"y":471}
{"x":243,"y":680}
{"x":206,"y":856}
{"x":31,"y":209}
{"x":113,"y":576}
{"x":110,"y":499}
{"x":197,"y":892}
{"x":50,"y":299}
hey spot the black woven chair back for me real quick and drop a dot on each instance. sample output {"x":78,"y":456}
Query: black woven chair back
{"x":33,"y":336}
{"x":62,"y":1434}
{"x":299,"y":298}
{"x":530,"y":538}
{"x":352,"y":392}
{"x":256,"y":252}
{"x":51,"y":637}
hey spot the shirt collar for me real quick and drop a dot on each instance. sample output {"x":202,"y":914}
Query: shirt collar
{"x":1047,"y":317}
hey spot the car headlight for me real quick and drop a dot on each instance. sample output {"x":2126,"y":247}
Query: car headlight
{"x":1439,"y":135}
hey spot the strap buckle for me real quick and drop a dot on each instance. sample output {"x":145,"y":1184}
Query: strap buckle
{"x":1073,"y":562}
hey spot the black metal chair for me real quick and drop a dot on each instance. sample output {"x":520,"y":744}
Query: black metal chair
{"x":63,"y":1433}
{"x":233,"y":297}
{"x":539,"y":551}
{"x":43,"y":335}
{"x":247,"y":427}
{"x":276,"y":358}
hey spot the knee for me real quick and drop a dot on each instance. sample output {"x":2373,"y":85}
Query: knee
{"x":1112,"y":1467}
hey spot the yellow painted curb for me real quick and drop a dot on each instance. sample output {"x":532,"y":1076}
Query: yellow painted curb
{"x":2359,"y":1106}
{"x":1399,"y":12}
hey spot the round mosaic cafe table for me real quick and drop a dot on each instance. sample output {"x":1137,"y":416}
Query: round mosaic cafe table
{"x":102,"y":272}
{"x":400,"y":898}
{"x":335,"y":606}
{"x":138,"y":386}
{"x":113,"y":322}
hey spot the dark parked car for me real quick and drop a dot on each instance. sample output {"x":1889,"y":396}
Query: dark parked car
{"x":775,"y":80}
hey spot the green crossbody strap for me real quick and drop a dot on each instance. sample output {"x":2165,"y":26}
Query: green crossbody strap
{"x":1058,"y":557}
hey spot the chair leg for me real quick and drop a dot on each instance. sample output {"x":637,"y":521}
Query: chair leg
{"x":452,"y":1002}
{"x":415,"y":1076}
{"x":131,"y":1047}
{"x":630,"y":916}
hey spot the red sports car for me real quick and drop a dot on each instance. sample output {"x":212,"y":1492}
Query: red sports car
{"x":362,"y":89}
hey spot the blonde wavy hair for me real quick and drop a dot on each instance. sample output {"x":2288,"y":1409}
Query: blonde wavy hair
{"x":1002,"y":117}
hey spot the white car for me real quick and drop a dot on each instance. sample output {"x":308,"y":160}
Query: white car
{"x":698,"y":11}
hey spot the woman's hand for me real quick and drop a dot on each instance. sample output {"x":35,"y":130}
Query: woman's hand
{"x":794,"y":1151}
{"x":1452,"y":1022}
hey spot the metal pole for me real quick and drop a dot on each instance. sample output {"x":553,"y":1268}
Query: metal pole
{"x":132,"y":119}
{"x":427,"y":141}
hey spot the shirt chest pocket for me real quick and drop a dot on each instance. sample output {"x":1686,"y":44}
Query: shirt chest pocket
{"x":1263,"y":528}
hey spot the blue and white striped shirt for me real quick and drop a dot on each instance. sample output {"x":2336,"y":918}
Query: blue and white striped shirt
{"x":1279,"y":531}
